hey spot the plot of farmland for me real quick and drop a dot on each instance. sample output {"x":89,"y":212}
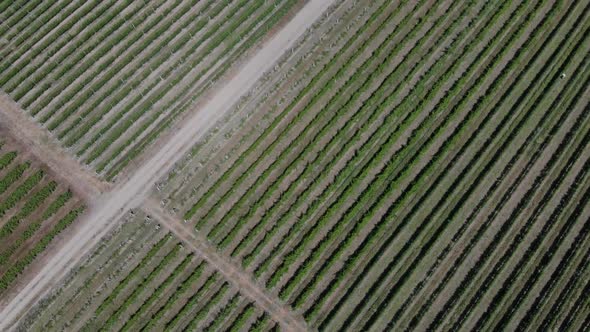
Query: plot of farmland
{"x":35,"y":208}
{"x":423,"y":165}
{"x":108,"y":77}
{"x":406,"y":165}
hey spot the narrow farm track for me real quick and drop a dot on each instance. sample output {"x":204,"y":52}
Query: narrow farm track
{"x":131,"y":192}
{"x":280,"y":312}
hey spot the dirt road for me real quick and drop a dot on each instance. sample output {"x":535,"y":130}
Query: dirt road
{"x":109,"y":207}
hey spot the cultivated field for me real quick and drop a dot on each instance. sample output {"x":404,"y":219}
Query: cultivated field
{"x":142,"y":278}
{"x":108,"y":77}
{"x":331,"y":165}
{"x":35,"y":209}
{"x":422,"y":165}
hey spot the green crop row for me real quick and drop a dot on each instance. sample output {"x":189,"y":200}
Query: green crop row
{"x":290,"y":165}
{"x":14,"y":18}
{"x":482,"y":77}
{"x":526,"y":227}
{"x":110,"y":96}
{"x":168,"y":71}
{"x":441,"y":227}
{"x":565,"y":294}
{"x":33,"y":227}
{"x":114,"y":239}
{"x":90,"y":264}
{"x":129,"y":87}
{"x":31,"y":205}
{"x":202,"y":313}
{"x":133,"y":247}
{"x":499,"y":151}
{"x":462,"y":200}
{"x":443,"y":195}
{"x":269,"y":10}
{"x":215,"y":40}
{"x":336,"y":208}
{"x":238,"y":324}
{"x":61,"y":95}
{"x":458,"y":234}
{"x":554,"y":279}
{"x":72,"y":55}
{"x":325,"y":170}
{"x":140,"y":287}
{"x":300,"y":59}
{"x":57,"y":96}
{"x":6,"y":159}
{"x":477,"y":236}
{"x":34,"y":46}
{"x":194,"y":300}
{"x":354,"y":120}
{"x":11,"y":17}
{"x":323,"y":219}
{"x":135,"y":272}
{"x":528,"y":196}
{"x":14,"y":197}
{"x":338,"y":275}
{"x":263,"y":137}
{"x":262,"y":323}
{"x":150,"y":137}
{"x":16,"y":269}
{"x":73,"y":50}
{"x":176,"y":294}
{"x":27,"y":75}
{"x":546,"y":256}
{"x":23,"y":28}
{"x":224,"y":313}
{"x":326,"y":129}
{"x":57,"y":204}
{"x":117,"y":62}
{"x":114,"y":30}
{"x":36,"y":105}
{"x":381,"y":154}
{"x":571,"y":316}
{"x":158,"y":292}
{"x":12,"y":176}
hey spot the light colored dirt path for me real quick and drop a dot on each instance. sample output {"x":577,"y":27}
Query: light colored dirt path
{"x":280,"y":312}
{"x":38,"y":142}
{"x":109,"y":207}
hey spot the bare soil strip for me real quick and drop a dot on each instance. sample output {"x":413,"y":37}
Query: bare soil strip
{"x":107,"y":208}
{"x":47,"y":150}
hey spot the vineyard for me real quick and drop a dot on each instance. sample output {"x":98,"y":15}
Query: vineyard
{"x":35,"y":208}
{"x":397,"y":166}
{"x":108,"y":77}
{"x":142,"y":278}
{"x":425,"y":170}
